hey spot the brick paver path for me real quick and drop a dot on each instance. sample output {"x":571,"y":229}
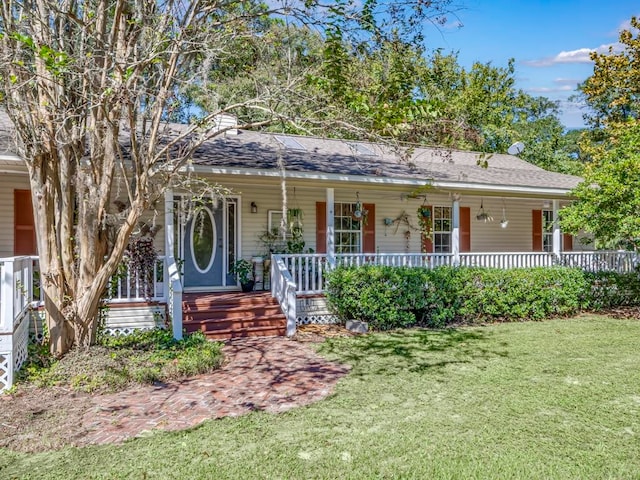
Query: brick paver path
{"x":272,"y":374}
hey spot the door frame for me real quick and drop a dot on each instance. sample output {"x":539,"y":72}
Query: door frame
{"x":182,"y":237}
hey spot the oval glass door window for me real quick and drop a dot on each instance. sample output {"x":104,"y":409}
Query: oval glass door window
{"x":203,"y":240}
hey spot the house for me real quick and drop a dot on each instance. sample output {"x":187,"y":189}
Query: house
{"x":353,"y":202}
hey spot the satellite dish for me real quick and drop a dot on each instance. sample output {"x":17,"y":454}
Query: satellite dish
{"x":516,"y":148}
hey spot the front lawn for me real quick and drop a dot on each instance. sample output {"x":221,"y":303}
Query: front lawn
{"x":555,"y":399}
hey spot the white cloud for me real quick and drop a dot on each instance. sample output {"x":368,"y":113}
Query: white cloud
{"x":563,"y":88}
{"x":625,"y":25}
{"x":572,"y":82}
{"x":581,"y":55}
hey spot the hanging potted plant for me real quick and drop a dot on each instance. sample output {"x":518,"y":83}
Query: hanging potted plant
{"x":424,"y":220}
{"x":359,"y":214}
{"x":243,"y":270}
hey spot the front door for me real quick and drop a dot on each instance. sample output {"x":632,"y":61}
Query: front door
{"x":208,"y":245}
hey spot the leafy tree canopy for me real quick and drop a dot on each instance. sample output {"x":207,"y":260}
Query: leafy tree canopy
{"x":607,"y":202}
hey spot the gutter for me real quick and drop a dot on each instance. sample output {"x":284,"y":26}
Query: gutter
{"x":375,"y":180}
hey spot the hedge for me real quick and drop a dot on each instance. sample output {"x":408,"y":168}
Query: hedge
{"x":392,"y":297}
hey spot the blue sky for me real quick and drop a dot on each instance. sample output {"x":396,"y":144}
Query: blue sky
{"x":549,"y":40}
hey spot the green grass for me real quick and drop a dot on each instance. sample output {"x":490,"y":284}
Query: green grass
{"x":556,"y":399}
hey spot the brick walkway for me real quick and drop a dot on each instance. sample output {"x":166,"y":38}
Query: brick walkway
{"x":271,"y":374}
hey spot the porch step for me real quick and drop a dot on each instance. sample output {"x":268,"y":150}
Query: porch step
{"x":232,"y":315}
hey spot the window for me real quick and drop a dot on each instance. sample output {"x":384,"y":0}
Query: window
{"x":348,"y":231}
{"x":547,"y":230}
{"x":441,"y":229}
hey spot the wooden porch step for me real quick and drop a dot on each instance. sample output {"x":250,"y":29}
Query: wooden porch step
{"x":232,"y":314}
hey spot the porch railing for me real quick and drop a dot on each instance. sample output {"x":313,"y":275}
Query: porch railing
{"x":611,"y":261}
{"x":130,"y":285}
{"x":307,"y":271}
{"x":283,"y":286}
{"x":16,"y":295}
{"x":509,"y":260}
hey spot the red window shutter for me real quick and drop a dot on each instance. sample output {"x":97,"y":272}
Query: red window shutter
{"x":465,"y":229}
{"x":24,"y":230}
{"x":567,"y":242}
{"x":536,"y":228}
{"x":369,"y":229}
{"x":427,"y":242}
{"x":321,"y":227}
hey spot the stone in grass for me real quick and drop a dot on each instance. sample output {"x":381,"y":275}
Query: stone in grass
{"x":357,"y":326}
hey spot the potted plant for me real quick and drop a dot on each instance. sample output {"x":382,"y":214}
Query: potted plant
{"x":243,"y":270}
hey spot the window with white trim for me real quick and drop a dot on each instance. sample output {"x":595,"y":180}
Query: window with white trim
{"x":547,"y":230}
{"x":441,"y":229}
{"x":348,"y":230}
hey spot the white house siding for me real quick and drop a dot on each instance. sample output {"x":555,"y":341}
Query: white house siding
{"x":9,"y":183}
{"x":268,"y":196}
{"x":390,"y":203}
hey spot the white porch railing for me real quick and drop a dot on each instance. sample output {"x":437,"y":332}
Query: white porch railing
{"x":283,"y":287}
{"x":134,"y":286}
{"x":509,"y":260}
{"x":16,"y":296}
{"x":394,"y":259}
{"x":611,"y":261}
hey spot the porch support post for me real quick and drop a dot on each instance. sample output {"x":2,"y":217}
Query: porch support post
{"x":331,"y":240}
{"x":172,"y":282}
{"x":455,"y":229}
{"x":168,"y":236}
{"x":557,"y":237}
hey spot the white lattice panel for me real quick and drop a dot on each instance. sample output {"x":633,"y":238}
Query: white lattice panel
{"x":5,"y":359}
{"x":117,"y":332}
{"x":21,"y":342}
{"x":322,"y":319}
{"x":314,"y":310}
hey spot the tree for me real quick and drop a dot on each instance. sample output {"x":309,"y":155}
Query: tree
{"x":607,"y":202}
{"x":90,"y":85}
{"x":612,"y":93}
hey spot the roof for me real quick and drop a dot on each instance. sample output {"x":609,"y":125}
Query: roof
{"x":261,"y":151}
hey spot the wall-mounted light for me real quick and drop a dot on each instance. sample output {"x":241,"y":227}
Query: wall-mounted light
{"x":254,"y":207}
{"x":546,"y":204}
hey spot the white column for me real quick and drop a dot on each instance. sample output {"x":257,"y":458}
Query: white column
{"x":172,"y":280}
{"x":455,"y":229}
{"x":169,"y":229}
{"x":331,"y":239}
{"x":557,"y":237}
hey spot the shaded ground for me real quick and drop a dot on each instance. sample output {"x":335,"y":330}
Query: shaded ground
{"x":272,"y":374}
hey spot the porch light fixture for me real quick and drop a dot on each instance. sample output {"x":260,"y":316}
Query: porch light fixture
{"x":504,"y":222}
{"x":254,"y":207}
{"x":546,"y":204}
{"x":483,"y":216}
{"x":359,"y":213}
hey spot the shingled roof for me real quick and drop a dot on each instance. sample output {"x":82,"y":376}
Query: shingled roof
{"x":261,"y":151}
{"x":258,"y":151}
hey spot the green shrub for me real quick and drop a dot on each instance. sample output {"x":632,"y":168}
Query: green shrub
{"x":385,"y":297}
{"x":392,"y":297}
{"x":142,"y":357}
{"x":611,"y":289}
